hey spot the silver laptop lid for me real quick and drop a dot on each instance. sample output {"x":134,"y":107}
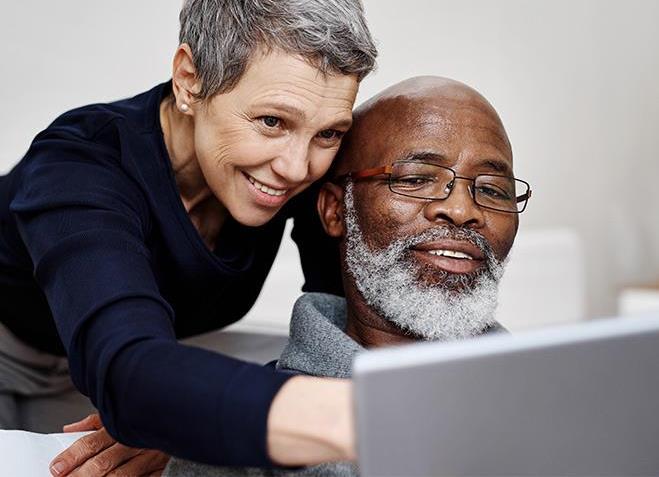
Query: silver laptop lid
{"x":576,"y":400}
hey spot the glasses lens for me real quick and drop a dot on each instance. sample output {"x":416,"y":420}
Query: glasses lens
{"x":416,"y":179}
{"x":500,"y":193}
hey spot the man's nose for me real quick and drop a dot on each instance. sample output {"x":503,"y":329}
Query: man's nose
{"x":292,"y":164}
{"x":458,"y":208}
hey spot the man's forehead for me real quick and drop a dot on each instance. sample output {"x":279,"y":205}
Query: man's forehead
{"x":400,"y":126}
{"x":421,"y":113}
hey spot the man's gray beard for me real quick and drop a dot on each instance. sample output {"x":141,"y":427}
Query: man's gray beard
{"x":459,"y":306}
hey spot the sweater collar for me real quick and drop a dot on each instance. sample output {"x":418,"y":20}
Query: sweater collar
{"x":318,"y":344}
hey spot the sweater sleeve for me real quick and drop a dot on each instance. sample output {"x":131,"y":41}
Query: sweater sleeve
{"x":84,"y":224}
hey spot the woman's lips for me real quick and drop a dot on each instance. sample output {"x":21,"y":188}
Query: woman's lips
{"x":276,"y":191}
{"x":265,"y":195}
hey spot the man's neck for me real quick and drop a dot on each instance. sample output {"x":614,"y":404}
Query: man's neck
{"x":368,"y":328}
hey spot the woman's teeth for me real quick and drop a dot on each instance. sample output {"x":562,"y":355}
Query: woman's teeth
{"x":265,"y":188}
{"x":450,"y":253}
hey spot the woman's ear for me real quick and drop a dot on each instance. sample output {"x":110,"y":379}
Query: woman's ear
{"x":185,"y":83}
{"x":330,"y":209}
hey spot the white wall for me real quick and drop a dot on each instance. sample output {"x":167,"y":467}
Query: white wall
{"x":575,"y":82}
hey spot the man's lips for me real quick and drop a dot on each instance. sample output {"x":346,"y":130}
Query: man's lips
{"x":452,"y":256}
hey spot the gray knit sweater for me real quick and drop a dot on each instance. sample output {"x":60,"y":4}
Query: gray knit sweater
{"x":318,"y":346}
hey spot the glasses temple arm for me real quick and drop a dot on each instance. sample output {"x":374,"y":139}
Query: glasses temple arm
{"x":523,"y":197}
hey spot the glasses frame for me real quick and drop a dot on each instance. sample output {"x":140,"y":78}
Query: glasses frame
{"x":387,"y":170}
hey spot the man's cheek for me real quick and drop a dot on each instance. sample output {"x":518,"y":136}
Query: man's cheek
{"x":502,"y":239}
{"x":378,"y":233}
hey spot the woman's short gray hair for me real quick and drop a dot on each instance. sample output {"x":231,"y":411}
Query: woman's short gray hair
{"x":224,"y":34}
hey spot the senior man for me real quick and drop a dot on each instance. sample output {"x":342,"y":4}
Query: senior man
{"x":423,"y":201}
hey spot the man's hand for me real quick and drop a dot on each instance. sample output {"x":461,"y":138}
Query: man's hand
{"x":98,"y":454}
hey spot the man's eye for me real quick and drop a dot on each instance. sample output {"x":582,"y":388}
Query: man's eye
{"x":330,"y":134}
{"x":493,"y":192}
{"x":412,"y":181}
{"x":270,"y":121}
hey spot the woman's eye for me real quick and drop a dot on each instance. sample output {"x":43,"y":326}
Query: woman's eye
{"x":270,"y":121}
{"x":330,"y":134}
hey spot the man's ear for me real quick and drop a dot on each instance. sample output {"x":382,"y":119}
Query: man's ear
{"x":330,"y":209}
{"x":185,"y":83}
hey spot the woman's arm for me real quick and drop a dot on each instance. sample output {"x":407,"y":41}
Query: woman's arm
{"x":85,"y":224}
{"x":311,"y":422}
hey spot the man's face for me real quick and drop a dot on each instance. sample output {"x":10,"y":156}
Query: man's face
{"x":433,"y":266}
{"x":467,"y":139}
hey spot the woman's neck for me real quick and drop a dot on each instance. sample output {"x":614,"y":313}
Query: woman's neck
{"x":178,"y":131}
{"x":205,"y":211}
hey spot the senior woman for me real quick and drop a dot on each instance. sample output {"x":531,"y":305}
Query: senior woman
{"x":130,"y":224}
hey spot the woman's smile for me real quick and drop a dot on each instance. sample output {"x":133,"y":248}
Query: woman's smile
{"x":264,"y":195}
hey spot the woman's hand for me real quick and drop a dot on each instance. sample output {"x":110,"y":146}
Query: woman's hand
{"x":98,"y":454}
{"x":311,"y":422}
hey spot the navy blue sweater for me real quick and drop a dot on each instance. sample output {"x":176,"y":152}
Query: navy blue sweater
{"x":99,"y":260}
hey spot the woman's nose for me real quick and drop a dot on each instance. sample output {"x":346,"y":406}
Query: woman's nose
{"x":292,"y":164}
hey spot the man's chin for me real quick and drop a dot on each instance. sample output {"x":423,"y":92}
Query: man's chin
{"x":457,"y":283}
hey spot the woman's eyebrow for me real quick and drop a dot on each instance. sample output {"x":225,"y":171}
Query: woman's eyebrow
{"x":287,"y":108}
{"x":299,"y":114}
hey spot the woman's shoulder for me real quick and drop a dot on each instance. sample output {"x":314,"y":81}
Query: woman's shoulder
{"x":107,"y":122}
{"x":90,"y":149}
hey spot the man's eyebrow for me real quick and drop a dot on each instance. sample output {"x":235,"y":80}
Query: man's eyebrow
{"x":497,"y":165}
{"x":431,"y":157}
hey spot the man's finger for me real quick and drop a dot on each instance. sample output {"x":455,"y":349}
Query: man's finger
{"x":105,"y":462}
{"x":80,"y":451}
{"x":89,"y":423}
{"x":147,"y":463}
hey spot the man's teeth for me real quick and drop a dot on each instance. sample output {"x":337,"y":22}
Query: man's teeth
{"x":450,"y":253}
{"x":265,"y":188}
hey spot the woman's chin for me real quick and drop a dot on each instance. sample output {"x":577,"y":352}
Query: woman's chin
{"x":253,"y":216}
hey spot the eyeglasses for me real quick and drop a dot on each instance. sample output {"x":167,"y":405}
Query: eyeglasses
{"x":423,"y":180}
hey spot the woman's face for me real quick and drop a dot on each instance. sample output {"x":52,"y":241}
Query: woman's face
{"x":272,"y":135}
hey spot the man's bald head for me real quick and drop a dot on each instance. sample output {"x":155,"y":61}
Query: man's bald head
{"x":413,"y":264}
{"x":415,"y":107}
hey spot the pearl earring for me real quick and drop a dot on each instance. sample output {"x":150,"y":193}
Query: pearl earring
{"x":184,"y":108}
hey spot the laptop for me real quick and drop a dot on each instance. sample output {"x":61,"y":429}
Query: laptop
{"x":576,"y":400}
